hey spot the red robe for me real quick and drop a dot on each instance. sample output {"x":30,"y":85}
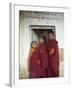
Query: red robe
{"x":53,"y":58}
{"x":43,"y":59}
{"x":35,"y":70}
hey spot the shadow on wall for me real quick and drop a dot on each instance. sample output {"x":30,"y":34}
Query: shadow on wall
{"x":23,"y":73}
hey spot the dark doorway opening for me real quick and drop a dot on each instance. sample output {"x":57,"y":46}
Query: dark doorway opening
{"x":40,"y":32}
{"x":37,"y":31}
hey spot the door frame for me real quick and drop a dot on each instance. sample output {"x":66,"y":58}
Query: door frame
{"x":41,"y":27}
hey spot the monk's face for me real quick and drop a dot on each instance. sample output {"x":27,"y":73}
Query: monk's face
{"x":34,"y":45}
{"x":41,"y":40}
{"x":51,"y":36}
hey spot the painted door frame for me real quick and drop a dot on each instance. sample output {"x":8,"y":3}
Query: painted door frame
{"x":40,"y":27}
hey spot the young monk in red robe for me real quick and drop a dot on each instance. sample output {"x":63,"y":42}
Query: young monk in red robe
{"x":43,"y":56}
{"x":53,"y":56}
{"x":34,"y":66}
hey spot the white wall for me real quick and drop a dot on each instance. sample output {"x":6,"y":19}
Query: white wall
{"x":27,"y":19}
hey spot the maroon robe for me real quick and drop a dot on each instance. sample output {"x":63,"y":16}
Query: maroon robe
{"x":43,"y":59}
{"x":35,"y":70}
{"x":53,"y":58}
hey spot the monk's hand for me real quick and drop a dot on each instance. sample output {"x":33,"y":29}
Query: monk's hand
{"x":52,"y":51}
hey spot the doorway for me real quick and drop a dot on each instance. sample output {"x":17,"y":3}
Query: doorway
{"x":37,"y":31}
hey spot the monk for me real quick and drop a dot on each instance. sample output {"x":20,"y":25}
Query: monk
{"x":34,"y":66}
{"x":43,"y":56}
{"x":53,"y":55}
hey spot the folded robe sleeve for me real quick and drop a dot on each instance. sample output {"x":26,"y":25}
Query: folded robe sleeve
{"x":43,"y":55}
{"x":55,"y":60}
{"x":45,"y":58}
